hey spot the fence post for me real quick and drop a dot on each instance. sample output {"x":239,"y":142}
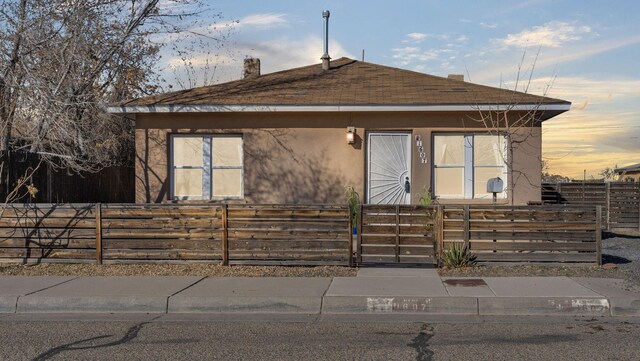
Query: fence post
{"x":397,"y":233}
{"x":98,"y":211}
{"x":599,"y":234}
{"x":466,"y":217}
{"x":439,"y":244}
{"x":225,"y":234}
{"x":608,"y":190}
{"x":638,"y":199}
{"x":359,"y":239}
{"x":559,"y":193}
{"x":350,"y":217}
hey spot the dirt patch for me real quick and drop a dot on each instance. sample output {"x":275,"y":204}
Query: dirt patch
{"x":210,"y":270}
{"x":531,"y":271}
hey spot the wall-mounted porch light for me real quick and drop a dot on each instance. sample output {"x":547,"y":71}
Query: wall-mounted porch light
{"x":351,"y":135}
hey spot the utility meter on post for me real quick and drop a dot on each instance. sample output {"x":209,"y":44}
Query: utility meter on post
{"x":495,"y":186}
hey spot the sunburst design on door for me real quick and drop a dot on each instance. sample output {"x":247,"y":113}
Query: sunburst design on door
{"x":389,"y":162}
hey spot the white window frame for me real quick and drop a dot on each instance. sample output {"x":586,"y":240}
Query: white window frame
{"x":469,"y":166}
{"x":207,"y":166}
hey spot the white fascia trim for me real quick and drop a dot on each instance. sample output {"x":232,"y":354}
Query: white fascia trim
{"x":332,"y":108}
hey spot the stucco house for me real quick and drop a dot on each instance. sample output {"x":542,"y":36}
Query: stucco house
{"x":629,"y":173}
{"x":302,"y":135}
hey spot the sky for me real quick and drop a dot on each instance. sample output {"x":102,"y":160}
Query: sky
{"x":586,"y":52}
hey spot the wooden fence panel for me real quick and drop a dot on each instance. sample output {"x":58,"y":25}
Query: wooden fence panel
{"x":398,"y":234}
{"x":624,"y":211}
{"x":296,"y":234}
{"x":161,"y":232}
{"x":620,"y":201}
{"x":112,"y":184}
{"x":47,"y":231}
{"x":525,"y":233}
{"x":289,"y":234}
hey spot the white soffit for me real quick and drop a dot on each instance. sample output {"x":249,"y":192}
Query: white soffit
{"x":333,"y":108}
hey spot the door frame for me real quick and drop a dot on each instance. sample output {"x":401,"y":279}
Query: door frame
{"x":368,"y":134}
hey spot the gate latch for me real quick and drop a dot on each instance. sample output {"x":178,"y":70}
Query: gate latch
{"x":407,"y":185}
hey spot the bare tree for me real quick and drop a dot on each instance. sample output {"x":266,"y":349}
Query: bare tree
{"x":62,"y":61}
{"x":517,"y":121}
{"x":609,"y":173}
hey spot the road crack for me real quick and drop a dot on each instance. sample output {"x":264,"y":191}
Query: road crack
{"x":421,"y":343}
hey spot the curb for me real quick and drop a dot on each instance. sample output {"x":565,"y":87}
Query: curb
{"x":254,"y":304}
{"x":402,"y":304}
{"x":463,"y":306}
{"x":92,"y":304}
{"x":536,"y":306}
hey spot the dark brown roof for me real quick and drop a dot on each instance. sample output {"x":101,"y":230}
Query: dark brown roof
{"x":348,"y":82}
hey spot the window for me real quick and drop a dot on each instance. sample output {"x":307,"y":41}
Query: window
{"x":206,"y":167}
{"x":463,"y":163}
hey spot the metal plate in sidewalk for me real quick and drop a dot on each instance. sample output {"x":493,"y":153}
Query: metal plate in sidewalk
{"x":464,"y":282}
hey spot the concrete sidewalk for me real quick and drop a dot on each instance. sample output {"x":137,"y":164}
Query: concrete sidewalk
{"x":373,"y":291}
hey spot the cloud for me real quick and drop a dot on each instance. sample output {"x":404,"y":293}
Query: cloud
{"x":505,"y":65}
{"x":418,"y":36}
{"x":260,"y":21}
{"x":601,"y":130}
{"x":592,"y":91}
{"x":488,"y":26}
{"x":274,"y":54}
{"x":285,"y":53}
{"x":552,"y":34}
{"x":266,"y":20}
{"x":410,"y":54}
{"x":413,"y":55}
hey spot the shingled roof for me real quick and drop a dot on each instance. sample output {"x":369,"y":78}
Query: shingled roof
{"x":348,"y":83}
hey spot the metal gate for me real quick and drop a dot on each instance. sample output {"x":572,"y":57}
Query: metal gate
{"x":389,"y":168}
{"x":393,"y":234}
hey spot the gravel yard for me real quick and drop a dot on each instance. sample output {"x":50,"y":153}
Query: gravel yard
{"x":620,"y":259}
{"x":210,"y":270}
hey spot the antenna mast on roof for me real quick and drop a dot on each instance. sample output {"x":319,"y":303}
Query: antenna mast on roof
{"x":326,"y":59}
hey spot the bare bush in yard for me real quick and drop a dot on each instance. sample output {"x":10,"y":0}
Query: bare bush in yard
{"x":517,"y":121}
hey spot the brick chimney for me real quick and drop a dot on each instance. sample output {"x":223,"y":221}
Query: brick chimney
{"x":459,"y":77}
{"x":251,"y":68}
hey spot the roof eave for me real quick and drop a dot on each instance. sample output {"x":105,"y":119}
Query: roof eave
{"x":547,"y":110}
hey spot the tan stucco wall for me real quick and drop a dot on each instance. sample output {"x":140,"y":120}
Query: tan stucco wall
{"x":304,"y":158}
{"x":630,"y":176}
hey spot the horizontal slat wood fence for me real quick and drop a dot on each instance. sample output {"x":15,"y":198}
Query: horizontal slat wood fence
{"x":44,"y":231}
{"x":294,"y":234}
{"x":620,"y":201}
{"x":526,"y":233}
{"x":398,"y":234}
{"x":160,"y":232}
{"x":123,"y":233}
{"x":304,"y":235}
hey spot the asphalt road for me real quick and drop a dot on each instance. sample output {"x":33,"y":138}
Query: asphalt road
{"x":147,"y":338}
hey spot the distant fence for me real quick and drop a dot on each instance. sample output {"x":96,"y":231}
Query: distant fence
{"x":526,"y":233}
{"x":112,"y":184}
{"x":295,"y":234}
{"x":620,"y":201}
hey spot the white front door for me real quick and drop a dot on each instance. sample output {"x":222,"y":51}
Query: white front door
{"x":389,"y":168}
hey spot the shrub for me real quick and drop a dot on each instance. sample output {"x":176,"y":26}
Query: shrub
{"x":456,"y":256}
{"x":353,"y":199}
